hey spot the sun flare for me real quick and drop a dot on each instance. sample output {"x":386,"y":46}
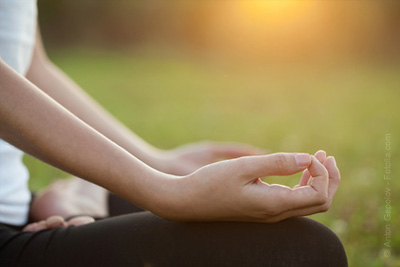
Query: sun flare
{"x":271,"y":10}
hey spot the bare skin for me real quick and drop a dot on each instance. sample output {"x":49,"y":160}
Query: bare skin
{"x":223,"y":191}
{"x":69,"y":130}
{"x":73,"y":196}
{"x":179,"y":161}
{"x":56,"y":221}
{"x":77,"y":196}
{"x":68,"y":199}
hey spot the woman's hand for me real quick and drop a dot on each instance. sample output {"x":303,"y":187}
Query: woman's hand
{"x":56,"y":221}
{"x":190,"y":157}
{"x":231,"y":190}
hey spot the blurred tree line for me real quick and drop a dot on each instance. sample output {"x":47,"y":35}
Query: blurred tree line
{"x":118,"y":22}
{"x":351,"y":28}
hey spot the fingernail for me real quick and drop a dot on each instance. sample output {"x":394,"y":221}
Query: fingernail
{"x":303,"y":159}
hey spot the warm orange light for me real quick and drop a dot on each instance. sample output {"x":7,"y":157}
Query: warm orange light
{"x":271,"y":10}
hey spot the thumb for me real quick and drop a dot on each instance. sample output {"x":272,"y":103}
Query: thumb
{"x":275,"y":164}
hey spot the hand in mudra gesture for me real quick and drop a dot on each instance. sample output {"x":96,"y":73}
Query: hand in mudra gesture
{"x":232,"y":190}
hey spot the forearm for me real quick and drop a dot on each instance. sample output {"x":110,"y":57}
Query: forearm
{"x":61,"y":88}
{"x":226,"y":190}
{"x":36,"y":123}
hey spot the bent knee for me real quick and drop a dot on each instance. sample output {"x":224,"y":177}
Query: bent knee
{"x":319,"y":245}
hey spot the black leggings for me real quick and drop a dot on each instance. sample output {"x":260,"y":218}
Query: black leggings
{"x":143,"y":239}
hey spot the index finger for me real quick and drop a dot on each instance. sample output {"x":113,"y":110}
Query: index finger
{"x":334,"y":180}
{"x":314,"y":194}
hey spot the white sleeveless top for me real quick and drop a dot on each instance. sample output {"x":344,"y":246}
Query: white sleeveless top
{"x":17,"y":37}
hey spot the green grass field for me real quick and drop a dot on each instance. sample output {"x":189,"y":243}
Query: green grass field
{"x":347,"y":110}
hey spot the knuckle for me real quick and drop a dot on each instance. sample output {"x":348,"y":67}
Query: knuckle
{"x":321,"y":199}
{"x":280,"y":161}
{"x":326,"y":206}
{"x":326,"y":173}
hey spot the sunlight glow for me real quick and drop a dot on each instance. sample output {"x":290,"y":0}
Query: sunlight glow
{"x":271,"y":10}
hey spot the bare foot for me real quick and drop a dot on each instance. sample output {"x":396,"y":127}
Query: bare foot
{"x":69,"y":197}
{"x":55,"y":221}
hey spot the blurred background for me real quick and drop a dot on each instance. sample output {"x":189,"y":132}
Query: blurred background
{"x":284,"y":75}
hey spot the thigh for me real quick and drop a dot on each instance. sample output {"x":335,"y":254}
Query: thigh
{"x":142,"y":239}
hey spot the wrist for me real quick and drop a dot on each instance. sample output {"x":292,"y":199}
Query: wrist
{"x":166,"y":198}
{"x":180,"y":200}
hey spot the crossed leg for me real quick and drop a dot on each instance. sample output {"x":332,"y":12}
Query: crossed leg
{"x":143,"y":239}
